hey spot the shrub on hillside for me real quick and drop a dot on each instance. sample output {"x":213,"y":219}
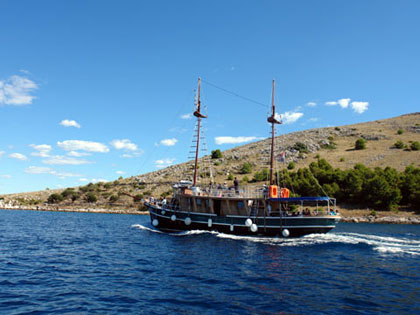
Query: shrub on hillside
{"x":246,"y":168}
{"x":91,"y":197}
{"x":55,"y":198}
{"x":415,"y":146}
{"x":291,"y":166}
{"x":360,"y":144}
{"x":399,"y":144}
{"x":216,"y":154}
{"x":400,"y":131}
{"x":301,"y":147}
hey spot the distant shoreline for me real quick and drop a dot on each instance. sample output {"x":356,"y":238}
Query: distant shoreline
{"x":386,"y":219}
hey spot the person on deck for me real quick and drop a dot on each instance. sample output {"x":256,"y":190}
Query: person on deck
{"x":236,"y":185}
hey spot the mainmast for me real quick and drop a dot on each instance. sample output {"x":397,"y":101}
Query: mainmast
{"x":272,"y":120}
{"x":199,"y":115}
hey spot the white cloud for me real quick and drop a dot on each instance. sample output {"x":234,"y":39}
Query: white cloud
{"x":18,"y":156}
{"x":70,"y":123}
{"x":1,"y":153}
{"x":64,"y":160}
{"x":50,"y":171}
{"x":169,"y":142}
{"x":120,"y":172}
{"x":344,"y":102}
{"x":359,"y":107}
{"x":78,"y":154}
{"x":333,"y":103}
{"x":186,"y":116}
{"x":83,"y":179}
{"x":235,"y":140}
{"x":16,"y":90}
{"x":313,"y":119}
{"x":132,"y":154}
{"x":76,"y":145}
{"x":43,"y":150}
{"x":291,"y":117}
{"x":164,"y":162}
{"x":5,"y":176}
{"x":124,"y":144}
{"x":311,"y":104}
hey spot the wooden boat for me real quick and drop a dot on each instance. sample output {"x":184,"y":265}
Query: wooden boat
{"x":264,"y":210}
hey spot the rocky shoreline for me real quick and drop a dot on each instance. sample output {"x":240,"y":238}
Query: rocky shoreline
{"x":390,"y":219}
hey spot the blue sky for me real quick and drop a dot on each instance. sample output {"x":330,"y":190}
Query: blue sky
{"x":94,"y":90}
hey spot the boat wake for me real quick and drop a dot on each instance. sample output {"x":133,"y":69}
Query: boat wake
{"x":381,"y":244}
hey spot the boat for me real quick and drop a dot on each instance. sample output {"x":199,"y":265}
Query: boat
{"x":267,"y":210}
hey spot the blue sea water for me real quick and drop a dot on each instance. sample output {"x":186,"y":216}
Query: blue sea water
{"x":52,"y":262}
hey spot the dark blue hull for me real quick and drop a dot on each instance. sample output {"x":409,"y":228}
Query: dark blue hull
{"x":170,"y":220}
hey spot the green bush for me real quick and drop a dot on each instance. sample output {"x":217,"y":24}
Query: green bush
{"x":262,"y":175}
{"x":400,"y":131}
{"x":245,"y":179}
{"x":74,"y":196}
{"x":291,"y":166}
{"x":91,"y":197}
{"x":399,"y":144}
{"x":415,"y":146}
{"x":301,"y":147}
{"x":55,"y":198}
{"x":67,"y":192}
{"x":246,"y":168}
{"x":360,"y":144}
{"x":230,"y":177}
{"x":114,"y":198}
{"x":216,"y":154}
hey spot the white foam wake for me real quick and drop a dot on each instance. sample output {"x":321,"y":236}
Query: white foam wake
{"x":381,"y":244}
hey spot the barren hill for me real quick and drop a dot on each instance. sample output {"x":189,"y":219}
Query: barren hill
{"x":335,"y":144}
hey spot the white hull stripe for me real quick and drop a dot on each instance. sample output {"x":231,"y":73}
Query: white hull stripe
{"x":242,"y":216}
{"x":240,"y":225}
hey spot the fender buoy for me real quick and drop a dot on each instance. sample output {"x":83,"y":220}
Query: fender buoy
{"x":187,"y":221}
{"x":254,"y":228}
{"x":173,"y":217}
{"x":248,"y":222}
{"x":285,"y":233}
{"x":155,"y":222}
{"x":209,"y":223}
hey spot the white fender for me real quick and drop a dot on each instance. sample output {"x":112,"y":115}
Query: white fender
{"x":209,"y":223}
{"x":163,"y":212}
{"x":285,"y":233}
{"x":173,"y":217}
{"x":187,"y":221}
{"x":155,"y":222}
{"x":231,"y":227}
{"x":254,"y":228}
{"x":248,"y":222}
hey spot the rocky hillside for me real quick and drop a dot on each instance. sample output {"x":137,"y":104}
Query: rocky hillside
{"x":390,"y":142}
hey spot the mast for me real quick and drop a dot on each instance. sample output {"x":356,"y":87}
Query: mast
{"x":199,"y":115}
{"x":272,"y":120}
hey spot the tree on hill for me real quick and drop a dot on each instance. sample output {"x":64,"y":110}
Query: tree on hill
{"x":246,"y":168}
{"x":216,"y":154}
{"x":90,"y":197}
{"x":55,"y":198}
{"x":360,"y":144}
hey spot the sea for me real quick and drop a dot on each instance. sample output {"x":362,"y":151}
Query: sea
{"x":86,"y":263}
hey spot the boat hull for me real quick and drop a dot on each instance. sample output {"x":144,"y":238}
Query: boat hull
{"x":172,"y":221}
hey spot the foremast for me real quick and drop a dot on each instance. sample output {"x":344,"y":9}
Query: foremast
{"x":199,"y":115}
{"x":273,"y":121}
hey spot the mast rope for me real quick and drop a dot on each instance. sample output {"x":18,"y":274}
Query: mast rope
{"x":235,"y":94}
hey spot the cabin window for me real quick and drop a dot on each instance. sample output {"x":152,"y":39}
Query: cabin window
{"x":198,"y":202}
{"x":240,"y":205}
{"x":207,"y":204}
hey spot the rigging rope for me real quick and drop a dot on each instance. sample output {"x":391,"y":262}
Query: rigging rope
{"x":234,"y":94}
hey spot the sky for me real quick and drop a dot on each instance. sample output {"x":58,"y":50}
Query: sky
{"x":94,"y":90}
